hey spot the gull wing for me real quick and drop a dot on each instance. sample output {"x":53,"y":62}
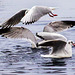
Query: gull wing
{"x":56,"y":44}
{"x":18,"y":32}
{"x":51,"y":36}
{"x":58,"y":26}
{"x":13,"y":20}
{"x":35,"y":13}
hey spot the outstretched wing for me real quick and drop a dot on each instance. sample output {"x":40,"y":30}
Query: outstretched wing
{"x":58,"y":48}
{"x":56,"y":44}
{"x":58,"y":26}
{"x":35,"y":13}
{"x":51,"y":43}
{"x":51,"y":36}
{"x":13,"y":20}
{"x":18,"y":32}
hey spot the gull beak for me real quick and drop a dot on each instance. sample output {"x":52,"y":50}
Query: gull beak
{"x":52,"y":15}
{"x":73,"y":44}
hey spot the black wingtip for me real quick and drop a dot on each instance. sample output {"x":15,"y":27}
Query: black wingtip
{"x":27,"y":23}
{"x":69,"y":22}
{"x":39,"y":36}
{"x":37,"y":45}
{"x":4,"y":30}
{"x":36,"y":34}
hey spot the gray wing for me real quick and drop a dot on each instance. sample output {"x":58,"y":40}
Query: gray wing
{"x":58,"y":26}
{"x":18,"y":32}
{"x":51,"y":36}
{"x":35,"y":13}
{"x":51,"y":43}
{"x":56,"y":44}
{"x":13,"y":20}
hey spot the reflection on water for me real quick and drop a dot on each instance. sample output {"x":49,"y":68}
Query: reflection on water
{"x":18,"y":58}
{"x":53,"y":67}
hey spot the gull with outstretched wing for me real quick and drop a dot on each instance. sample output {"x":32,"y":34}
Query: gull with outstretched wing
{"x":28,"y":16}
{"x":61,"y":47}
{"x":58,"y":26}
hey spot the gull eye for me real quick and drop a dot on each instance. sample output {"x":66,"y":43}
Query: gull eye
{"x":69,"y":42}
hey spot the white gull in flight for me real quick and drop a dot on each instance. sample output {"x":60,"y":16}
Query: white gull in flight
{"x":28,"y":16}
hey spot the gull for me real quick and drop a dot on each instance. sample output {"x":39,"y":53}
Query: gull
{"x":57,"y":26}
{"x":36,"y":13}
{"x":61,"y":47}
{"x":28,"y":16}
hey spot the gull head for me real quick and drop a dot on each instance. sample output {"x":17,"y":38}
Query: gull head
{"x":71,"y":42}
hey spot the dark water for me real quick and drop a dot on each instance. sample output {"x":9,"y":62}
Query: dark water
{"x":18,"y":58}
